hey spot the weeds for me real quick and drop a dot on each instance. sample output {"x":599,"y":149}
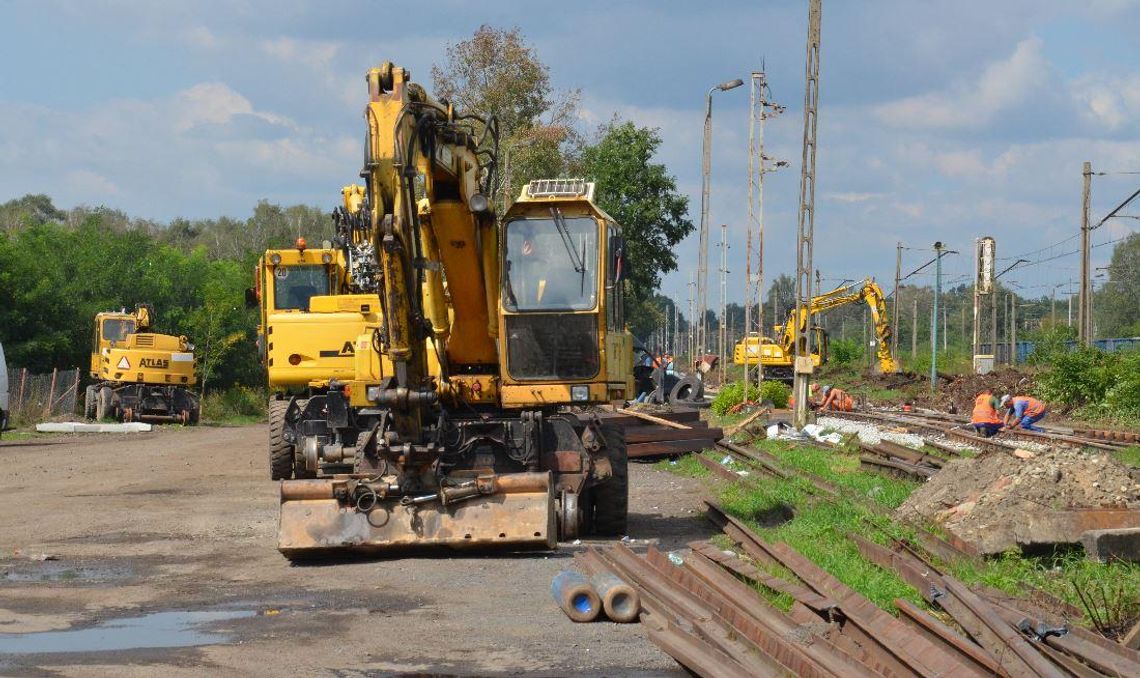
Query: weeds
{"x":237,"y":403}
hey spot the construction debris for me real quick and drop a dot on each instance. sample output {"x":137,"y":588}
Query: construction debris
{"x":78,"y":427}
{"x":576,"y":596}
{"x":998,"y":502}
{"x":665,"y":432}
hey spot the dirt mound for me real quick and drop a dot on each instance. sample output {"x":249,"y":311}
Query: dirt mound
{"x":998,"y":501}
{"x":956,"y":393}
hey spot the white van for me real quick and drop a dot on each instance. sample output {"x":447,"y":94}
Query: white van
{"x":3,"y":390}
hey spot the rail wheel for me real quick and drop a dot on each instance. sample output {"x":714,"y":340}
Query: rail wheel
{"x":611,"y":498}
{"x":280,"y":452}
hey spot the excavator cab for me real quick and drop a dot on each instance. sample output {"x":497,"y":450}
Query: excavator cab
{"x":564,"y":338}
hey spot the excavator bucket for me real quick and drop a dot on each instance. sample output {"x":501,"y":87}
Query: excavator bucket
{"x":314,"y":520}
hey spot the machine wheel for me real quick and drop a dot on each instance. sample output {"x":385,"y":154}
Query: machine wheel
{"x":611,"y":498}
{"x":89,"y":397}
{"x":280,"y":452}
{"x":300,"y":472}
{"x":103,"y":403}
{"x":195,"y":413}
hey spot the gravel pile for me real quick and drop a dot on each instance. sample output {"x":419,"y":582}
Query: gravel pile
{"x":870,"y":434}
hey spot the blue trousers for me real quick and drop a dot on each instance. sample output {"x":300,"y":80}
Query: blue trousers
{"x":987,"y":430}
{"x":1028,"y":422}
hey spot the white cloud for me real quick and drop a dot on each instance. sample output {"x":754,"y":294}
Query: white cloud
{"x":852,"y":197}
{"x":971,"y":105}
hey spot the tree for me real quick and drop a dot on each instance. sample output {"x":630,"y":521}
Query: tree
{"x":642,"y":196}
{"x":1117,"y":305}
{"x":783,"y":293}
{"x":495,"y":73}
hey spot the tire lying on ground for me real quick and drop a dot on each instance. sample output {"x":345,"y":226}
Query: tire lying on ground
{"x":687,"y":391}
{"x":611,"y":497}
{"x":280,"y":452}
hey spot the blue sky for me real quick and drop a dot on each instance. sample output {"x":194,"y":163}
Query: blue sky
{"x":938,"y":121}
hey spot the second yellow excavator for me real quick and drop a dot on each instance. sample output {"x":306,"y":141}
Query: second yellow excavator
{"x":777,"y":357}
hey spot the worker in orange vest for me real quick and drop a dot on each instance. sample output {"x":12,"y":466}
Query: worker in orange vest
{"x":985,"y":418}
{"x":1023,"y":411}
{"x":836,"y":399}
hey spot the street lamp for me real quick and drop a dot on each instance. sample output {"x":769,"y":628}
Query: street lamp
{"x":706,"y":168}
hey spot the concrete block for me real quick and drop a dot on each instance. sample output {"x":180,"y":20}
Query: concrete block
{"x":1104,"y":545}
{"x":79,"y":427}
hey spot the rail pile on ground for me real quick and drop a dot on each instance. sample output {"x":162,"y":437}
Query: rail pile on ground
{"x":679,"y":431}
{"x":704,"y":610}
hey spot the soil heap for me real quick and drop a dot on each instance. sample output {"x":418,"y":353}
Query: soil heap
{"x":997,"y":501}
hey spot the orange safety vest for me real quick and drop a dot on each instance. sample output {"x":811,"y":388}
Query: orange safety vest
{"x":984,"y":412}
{"x":1034,"y":406}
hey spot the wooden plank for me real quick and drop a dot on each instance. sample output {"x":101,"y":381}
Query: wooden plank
{"x":668,"y":447}
{"x":652,"y":434}
{"x":623,"y":418}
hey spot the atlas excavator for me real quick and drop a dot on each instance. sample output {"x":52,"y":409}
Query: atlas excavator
{"x":778,"y":357}
{"x":139,"y":374}
{"x":313,"y":305}
{"x":464,"y":422}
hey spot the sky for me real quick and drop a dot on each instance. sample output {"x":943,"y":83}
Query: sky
{"x":938,"y":121}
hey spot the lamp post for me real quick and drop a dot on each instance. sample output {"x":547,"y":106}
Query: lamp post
{"x":706,"y":169}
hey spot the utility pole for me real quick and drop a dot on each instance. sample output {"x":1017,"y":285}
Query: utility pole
{"x":945,"y":332}
{"x":895,"y":312}
{"x":805,"y":235}
{"x":934,"y":316}
{"x":722,"y":330}
{"x":706,"y":187}
{"x":1012,"y":328}
{"x":757,"y":168}
{"x":1084,"y":323}
{"x":914,"y":329}
{"x":693,"y":324}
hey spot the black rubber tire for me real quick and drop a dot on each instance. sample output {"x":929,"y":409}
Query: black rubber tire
{"x":103,"y":403}
{"x":687,"y":390}
{"x":195,"y":414}
{"x":89,"y":397}
{"x":610,"y":498}
{"x":280,"y":452}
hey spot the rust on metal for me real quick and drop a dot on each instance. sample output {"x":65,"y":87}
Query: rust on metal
{"x":719,"y":470}
{"x":937,"y":632}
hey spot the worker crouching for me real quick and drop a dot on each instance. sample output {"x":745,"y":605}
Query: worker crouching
{"x":985,"y":418}
{"x":1023,"y":411}
{"x":836,"y":400}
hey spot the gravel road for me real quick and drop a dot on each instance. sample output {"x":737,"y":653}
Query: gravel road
{"x":100,"y":529}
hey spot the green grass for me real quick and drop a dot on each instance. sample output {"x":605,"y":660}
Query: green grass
{"x":1129,"y":456}
{"x":686,"y":465}
{"x":820,"y":527}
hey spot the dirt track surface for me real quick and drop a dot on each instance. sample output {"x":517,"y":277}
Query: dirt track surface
{"x":185,"y":519}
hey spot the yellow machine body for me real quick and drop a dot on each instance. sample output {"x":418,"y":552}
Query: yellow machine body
{"x":139,"y":374}
{"x":777,"y":358}
{"x":452,"y":429}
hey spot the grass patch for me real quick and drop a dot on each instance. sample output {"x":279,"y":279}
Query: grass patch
{"x":235,"y":405}
{"x":1129,"y":456}
{"x":819,"y":529}
{"x":685,"y":465}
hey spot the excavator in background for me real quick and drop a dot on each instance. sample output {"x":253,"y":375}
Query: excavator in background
{"x":778,"y":357}
{"x":140,"y":375}
{"x":314,"y":303}
{"x":455,"y":428}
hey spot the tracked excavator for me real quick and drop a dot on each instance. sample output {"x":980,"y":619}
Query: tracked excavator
{"x":139,"y":374}
{"x":457,"y":427}
{"x":777,"y":357}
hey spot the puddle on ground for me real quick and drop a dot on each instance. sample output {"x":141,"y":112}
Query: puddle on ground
{"x":160,"y":629}
{"x":62,"y":571}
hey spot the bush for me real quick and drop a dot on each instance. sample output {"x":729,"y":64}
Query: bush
{"x":731,"y":395}
{"x":846,"y":351}
{"x":1123,"y":397}
{"x":235,"y":402}
{"x":1080,"y":377}
{"x":776,"y":391}
{"x":1050,"y":343}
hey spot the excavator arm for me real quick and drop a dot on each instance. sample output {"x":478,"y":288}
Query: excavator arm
{"x":870,"y":293}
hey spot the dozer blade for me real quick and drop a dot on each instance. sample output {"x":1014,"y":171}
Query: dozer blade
{"x":313,"y":522}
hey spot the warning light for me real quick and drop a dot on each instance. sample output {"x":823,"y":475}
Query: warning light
{"x":301,"y":244}
{"x":295,"y":359}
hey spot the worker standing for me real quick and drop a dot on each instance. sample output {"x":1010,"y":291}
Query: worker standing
{"x":985,"y":418}
{"x":836,"y":399}
{"x":1024,"y":411}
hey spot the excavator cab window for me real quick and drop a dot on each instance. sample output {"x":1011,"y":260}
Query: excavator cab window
{"x":293,"y":286}
{"x":551,"y":264}
{"x":117,"y":329}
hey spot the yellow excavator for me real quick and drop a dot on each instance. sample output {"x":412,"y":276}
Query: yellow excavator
{"x":314,"y":302}
{"x":777,"y":357}
{"x":455,"y":428}
{"x":140,"y":375}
